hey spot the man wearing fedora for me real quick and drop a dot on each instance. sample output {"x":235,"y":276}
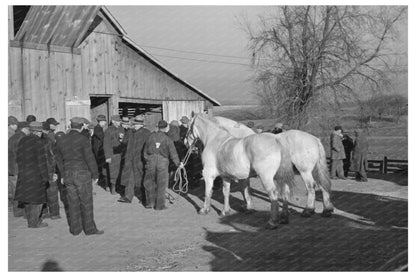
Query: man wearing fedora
{"x":97,"y":147}
{"x":77,"y":162}
{"x":33,"y":175}
{"x":157,"y":151}
{"x":113,"y":148}
{"x":133,"y":170}
{"x":22,"y":131}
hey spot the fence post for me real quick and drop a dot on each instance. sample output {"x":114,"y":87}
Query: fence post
{"x":385,"y":165}
{"x":381,"y":166}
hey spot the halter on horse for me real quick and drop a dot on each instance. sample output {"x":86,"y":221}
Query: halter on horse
{"x":233,"y":158}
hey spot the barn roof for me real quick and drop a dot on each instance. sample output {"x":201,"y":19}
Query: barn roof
{"x":68,"y":25}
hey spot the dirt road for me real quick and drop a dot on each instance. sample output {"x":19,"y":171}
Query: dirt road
{"x":368,"y":232}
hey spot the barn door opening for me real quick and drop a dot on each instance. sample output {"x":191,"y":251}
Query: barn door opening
{"x":99,"y":105}
{"x":152,"y":112}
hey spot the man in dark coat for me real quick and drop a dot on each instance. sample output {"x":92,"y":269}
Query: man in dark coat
{"x":278,"y":128}
{"x":51,"y":209}
{"x":14,"y":140}
{"x":337,"y":154}
{"x":97,"y":148}
{"x":33,"y":175}
{"x":348,"y":143}
{"x":13,"y":125}
{"x":157,"y":151}
{"x":133,"y":171}
{"x":359,"y":157}
{"x":75,"y":159}
{"x":113,"y":149}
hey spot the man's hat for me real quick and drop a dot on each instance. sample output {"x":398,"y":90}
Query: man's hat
{"x":85,"y":121}
{"x":13,"y":120}
{"x":35,"y":126}
{"x":174,"y":123}
{"x":162,"y":124}
{"x":138,"y":120}
{"x":184,"y":119}
{"x":101,"y":117}
{"x":338,"y":128}
{"x":279,"y":125}
{"x":125,"y":120}
{"x":30,"y":118}
{"x":23,"y":124}
{"x":78,"y":120}
{"x":115,"y":117}
{"x":52,"y":120}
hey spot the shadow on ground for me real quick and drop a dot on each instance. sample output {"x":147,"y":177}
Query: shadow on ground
{"x":316,"y":243}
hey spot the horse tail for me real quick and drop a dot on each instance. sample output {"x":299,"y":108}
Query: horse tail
{"x":320,"y":172}
{"x":285,"y":174}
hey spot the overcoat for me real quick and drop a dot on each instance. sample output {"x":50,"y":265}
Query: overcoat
{"x":359,"y":154}
{"x":13,"y":142}
{"x":134,"y":161}
{"x":33,"y":172}
{"x":112,"y":141}
{"x":337,"y":148}
{"x":97,"y":145}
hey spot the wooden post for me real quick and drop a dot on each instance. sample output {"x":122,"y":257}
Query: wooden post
{"x":381,"y":166}
{"x":385,"y":165}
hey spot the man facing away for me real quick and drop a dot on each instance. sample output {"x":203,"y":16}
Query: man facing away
{"x":76,"y":161}
{"x":33,"y":175}
{"x":97,"y":147}
{"x":359,"y":157}
{"x":157,"y":151}
{"x":337,"y":154}
{"x":133,"y":171}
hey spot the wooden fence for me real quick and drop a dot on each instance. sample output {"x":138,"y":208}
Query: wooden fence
{"x":384,"y":166}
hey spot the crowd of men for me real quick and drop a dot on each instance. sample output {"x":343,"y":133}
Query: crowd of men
{"x":124,"y":157}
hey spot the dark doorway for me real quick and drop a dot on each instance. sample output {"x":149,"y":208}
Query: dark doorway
{"x":99,"y":105}
{"x":152,"y":112}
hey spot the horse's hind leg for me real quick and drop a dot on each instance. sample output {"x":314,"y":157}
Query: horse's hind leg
{"x":247,"y":195}
{"x":328,"y":207}
{"x":226,"y":192}
{"x":284,"y":215}
{"x":310,"y":187}
{"x":209,"y":182}
{"x":271,"y":189}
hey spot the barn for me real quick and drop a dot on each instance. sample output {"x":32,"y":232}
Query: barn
{"x":67,"y":61}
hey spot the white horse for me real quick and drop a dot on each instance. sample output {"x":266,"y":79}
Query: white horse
{"x":308,"y":156}
{"x":234,"y":158}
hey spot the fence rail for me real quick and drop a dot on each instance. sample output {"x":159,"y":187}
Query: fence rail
{"x":384,"y":166}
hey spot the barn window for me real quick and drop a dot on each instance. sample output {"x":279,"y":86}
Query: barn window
{"x":19,"y":14}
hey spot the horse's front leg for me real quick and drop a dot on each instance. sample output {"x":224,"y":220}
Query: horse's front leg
{"x":226,"y":192}
{"x":209,"y":182}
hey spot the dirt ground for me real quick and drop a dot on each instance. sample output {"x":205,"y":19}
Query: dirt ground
{"x":367,"y":232}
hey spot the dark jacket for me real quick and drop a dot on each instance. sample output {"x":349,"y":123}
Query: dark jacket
{"x":182,"y":132}
{"x":50,"y":150}
{"x":134,"y":160}
{"x":112,"y":141}
{"x":359,"y":155}
{"x":13,"y":142}
{"x":97,"y":144}
{"x":337,"y":148}
{"x":33,"y":171}
{"x":174,"y":133}
{"x":159,"y":143}
{"x":74,"y":153}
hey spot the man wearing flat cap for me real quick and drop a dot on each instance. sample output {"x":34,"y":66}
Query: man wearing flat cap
{"x":97,"y":147}
{"x":158,"y":150}
{"x":133,"y":169}
{"x":76,"y":161}
{"x":22,"y":131}
{"x":13,"y":122}
{"x":113,"y":148}
{"x":32,"y":175}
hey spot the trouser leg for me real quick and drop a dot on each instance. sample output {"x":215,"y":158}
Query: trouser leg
{"x":139,"y":191}
{"x":74,"y":210}
{"x":162,"y":180}
{"x":17,"y":211}
{"x":114,"y":168}
{"x":33,"y":213}
{"x":53,"y":199}
{"x":149,"y":182}
{"x":333,"y":168}
{"x":129,"y":187}
{"x":340,"y":169}
{"x":86,"y":206}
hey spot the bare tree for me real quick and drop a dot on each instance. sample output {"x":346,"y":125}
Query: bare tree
{"x":303,"y":54}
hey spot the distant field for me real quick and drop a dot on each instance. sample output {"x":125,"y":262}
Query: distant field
{"x":386,"y":138}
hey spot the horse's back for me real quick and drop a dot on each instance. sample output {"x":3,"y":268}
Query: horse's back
{"x":236,"y":129}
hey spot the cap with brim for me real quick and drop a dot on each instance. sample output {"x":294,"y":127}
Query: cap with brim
{"x":85,"y":121}
{"x":115,"y":117}
{"x":101,"y":117}
{"x":52,"y":121}
{"x":77,"y":120}
{"x":23,"y":124}
{"x":138,"y":121}
{"x":162,"y":124}
{"x":125,"y":120}
{"x":13,"y":120}
{"x":35,"y":126}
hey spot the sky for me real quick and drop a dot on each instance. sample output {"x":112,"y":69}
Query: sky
{"x":203,"y":29}
{"x":170,"y":33}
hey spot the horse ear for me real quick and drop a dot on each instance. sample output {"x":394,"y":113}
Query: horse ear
{"x":192,"y":114}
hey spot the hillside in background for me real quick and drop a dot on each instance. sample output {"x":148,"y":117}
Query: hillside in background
{"x":386,"y":137}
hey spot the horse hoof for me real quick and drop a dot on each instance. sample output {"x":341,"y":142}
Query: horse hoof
{"x":307,"y":213}
{"x":202,"y":212}
{"x":327,"y":213}
{"x":270,"y":226}
{"x":225,"y":213}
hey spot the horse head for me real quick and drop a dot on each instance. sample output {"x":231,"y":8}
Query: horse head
{"x":199,"y":125}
